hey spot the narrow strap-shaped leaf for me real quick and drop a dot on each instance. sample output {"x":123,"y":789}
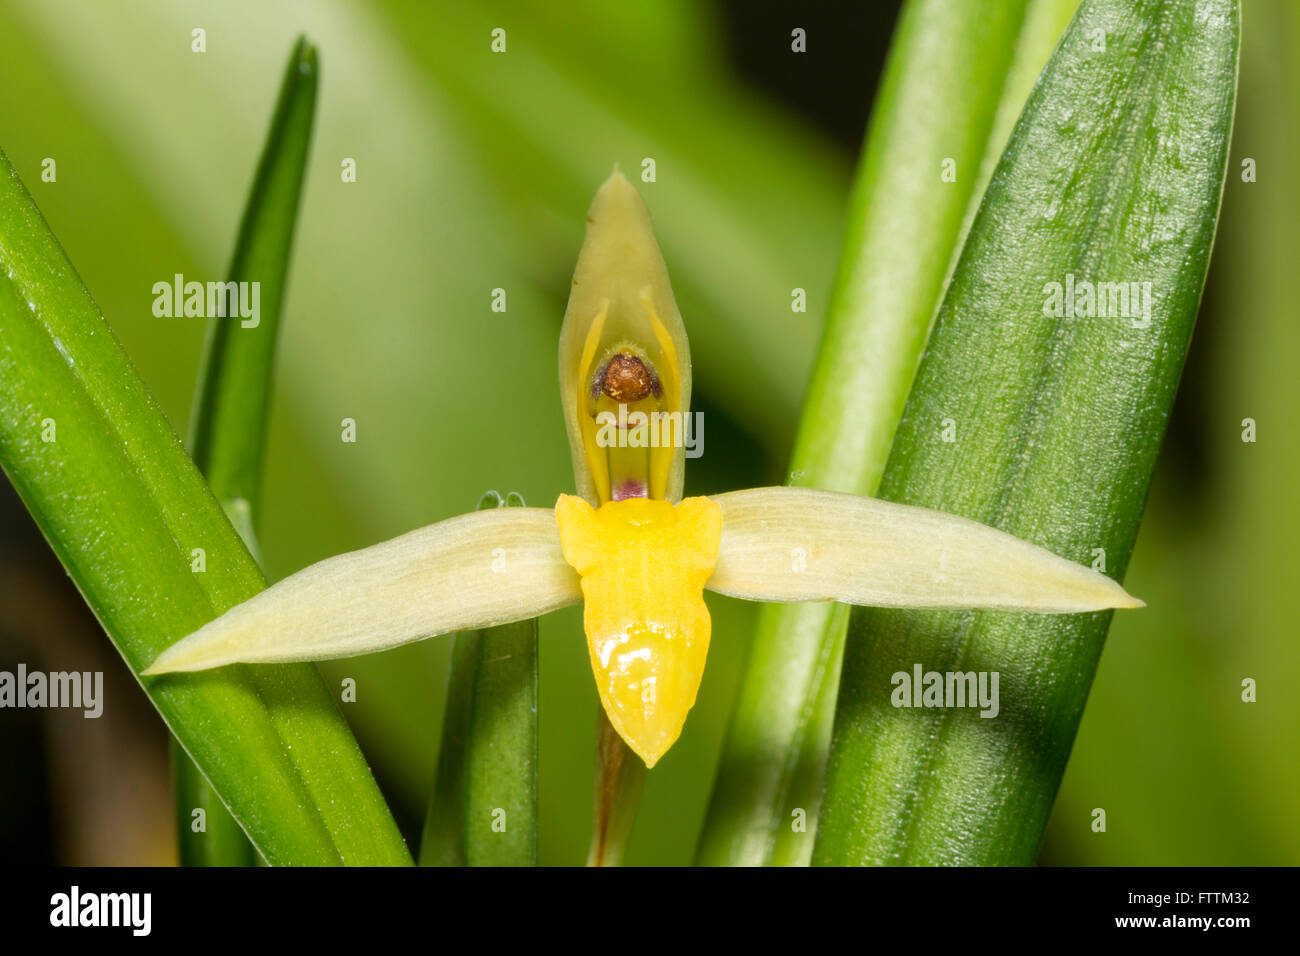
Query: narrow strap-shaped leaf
{"x":801,"y":544}
{"x":501,"y":809}
{"x":484,"y":806}
{"x":1042,"y":421}
{"x":206,"y":833}
{"x":471,"y":571}
{"x":957,"y":77}
{"x":443,"y":840}
{"x":227,"y":432}
{"x":128,"y":514}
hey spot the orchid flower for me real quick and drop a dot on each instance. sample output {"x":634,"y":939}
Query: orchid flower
{"x":628,"y":546}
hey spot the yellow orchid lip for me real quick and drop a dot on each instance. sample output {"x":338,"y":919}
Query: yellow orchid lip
{"x":643,"y":566}
{"x":637,"y":558}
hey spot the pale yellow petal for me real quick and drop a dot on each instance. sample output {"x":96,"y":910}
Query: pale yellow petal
{"x":475,"y":570}
{"x":801,"y":544}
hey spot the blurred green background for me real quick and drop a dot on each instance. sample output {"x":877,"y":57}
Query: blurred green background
{"x":474,"y":170}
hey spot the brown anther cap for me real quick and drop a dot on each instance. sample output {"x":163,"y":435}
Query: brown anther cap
{"x":628,"y":379}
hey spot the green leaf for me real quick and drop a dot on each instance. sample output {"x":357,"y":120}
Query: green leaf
{"x":443,"y":841}
{"x":501,"y":809}
{"x":958,"y":75}
{"x":1214,"y":558}
{"x":221,"y":842}
{"x":1044,"y":426}
{"x":124,"y":508}
{"x":484,"y":806}
{"x":227,"y":433}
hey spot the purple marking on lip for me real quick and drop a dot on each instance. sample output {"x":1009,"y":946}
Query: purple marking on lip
{"x":630,"y":489}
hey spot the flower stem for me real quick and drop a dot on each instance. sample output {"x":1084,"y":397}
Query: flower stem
{"x":620,"y":777}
